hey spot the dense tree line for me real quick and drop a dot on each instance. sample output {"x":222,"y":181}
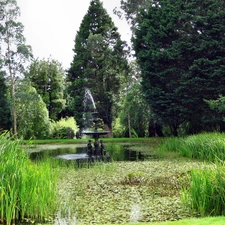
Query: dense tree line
{"x":176,"y":86}
{"x":180,"y":49}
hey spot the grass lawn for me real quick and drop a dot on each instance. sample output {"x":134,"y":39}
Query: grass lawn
{"x":202,"y":221}
{"x":84,"y":140}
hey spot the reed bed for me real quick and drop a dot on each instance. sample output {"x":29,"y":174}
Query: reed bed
{"x":27,"y":189}
{"x":205,"y":146}
{"x":206,"y":193}
{"x":207,"y":190}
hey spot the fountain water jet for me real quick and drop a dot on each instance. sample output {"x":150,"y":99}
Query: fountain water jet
{"x":99,"y":150}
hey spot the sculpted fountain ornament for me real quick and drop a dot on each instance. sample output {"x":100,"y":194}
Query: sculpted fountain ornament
{"x":98,"y":150}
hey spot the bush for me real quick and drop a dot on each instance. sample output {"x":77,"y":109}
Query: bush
{"x":63,"y":133}
{"x":64,"y":128}
{"x":118,"y":129}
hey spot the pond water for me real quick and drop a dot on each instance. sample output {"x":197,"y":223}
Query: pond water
{"x":117,"y":152}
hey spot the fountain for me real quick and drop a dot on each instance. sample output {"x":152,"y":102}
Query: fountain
{"x":98,"y":151}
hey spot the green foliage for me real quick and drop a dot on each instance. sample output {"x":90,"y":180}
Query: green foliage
{"x":47,"y":77}
{"x":63,"y":133}
{"x":179,"y":49}
{"x":205,"y":146}
{"x":118,"y":129}
{"x":5,"y":115}
{"x":27,"y":190}
{"x":15,"y":54}
{"x":218,"y":104}
{"x":99,"y":61}
{"x":138,"y":110}
{"x":206,"y":192}
{"x":32,"y":114}
{"x":130,"y":10}
{"x":64,"y":128}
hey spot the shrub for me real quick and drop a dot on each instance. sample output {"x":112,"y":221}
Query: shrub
{"x":118,"y":130}
{"x":63,"y":133}
{"x":64,"y":128}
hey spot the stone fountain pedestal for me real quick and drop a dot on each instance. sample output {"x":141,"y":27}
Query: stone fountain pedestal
{"x":97,"y":150}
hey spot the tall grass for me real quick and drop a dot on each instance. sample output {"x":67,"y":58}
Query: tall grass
{"x":206,"y":194}
{"x":206,"y":146}
{"x":207,"y":190}
{"x":27,"y":190}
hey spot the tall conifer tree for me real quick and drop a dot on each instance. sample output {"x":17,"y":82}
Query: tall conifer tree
{"x":99,"y":61}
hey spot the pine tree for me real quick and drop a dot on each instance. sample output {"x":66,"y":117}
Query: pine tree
{"x":99,"y":61}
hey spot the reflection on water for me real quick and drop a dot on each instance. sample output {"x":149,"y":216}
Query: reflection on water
{"x":118,"y":152}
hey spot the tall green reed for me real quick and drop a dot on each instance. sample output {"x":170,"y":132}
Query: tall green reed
{"x":205,"y":146}
{"x":206,"y":194}
{"x":27,"y":189}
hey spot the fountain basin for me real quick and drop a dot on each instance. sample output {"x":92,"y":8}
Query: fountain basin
{"x":96,"y":132}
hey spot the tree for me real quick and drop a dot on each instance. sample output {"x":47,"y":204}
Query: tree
{"x":14,"y":52}
{"x":99,"y":61}
{"x":218,"y":107}
{"x":32,"y":114}
{"x":47,"y":77}
{"x":179,"y":49}
{"x":130,"y":10}
{"x":5,"y":115}
{"x":135,"y":113}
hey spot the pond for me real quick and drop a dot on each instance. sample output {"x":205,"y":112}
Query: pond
{"x":117,"y":152}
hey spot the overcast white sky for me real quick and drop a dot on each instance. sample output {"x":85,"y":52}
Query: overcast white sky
{"x":51,"y":26}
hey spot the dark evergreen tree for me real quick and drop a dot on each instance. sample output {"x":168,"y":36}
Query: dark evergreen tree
{"x":99,"y":61}
{"x":179,"y":47}
{"x":5,"y":115}
{"x":130,"y":9}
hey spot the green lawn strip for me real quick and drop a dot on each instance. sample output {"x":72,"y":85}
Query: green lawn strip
{"x":194,"y":221}
{"x":84,"y":140}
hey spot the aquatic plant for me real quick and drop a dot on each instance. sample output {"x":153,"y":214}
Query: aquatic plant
{"x":205,"y":146}
{"x":206,"y":192}
{"x":27,"y":189}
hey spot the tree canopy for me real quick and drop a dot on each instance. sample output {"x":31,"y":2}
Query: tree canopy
{"x":32,"y":114}
{"x":99,"y":61}
{"x":13,"y":50}
{"x":179,"y":46}
{"x":47,"y":77}
{"x":5,"y":114}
